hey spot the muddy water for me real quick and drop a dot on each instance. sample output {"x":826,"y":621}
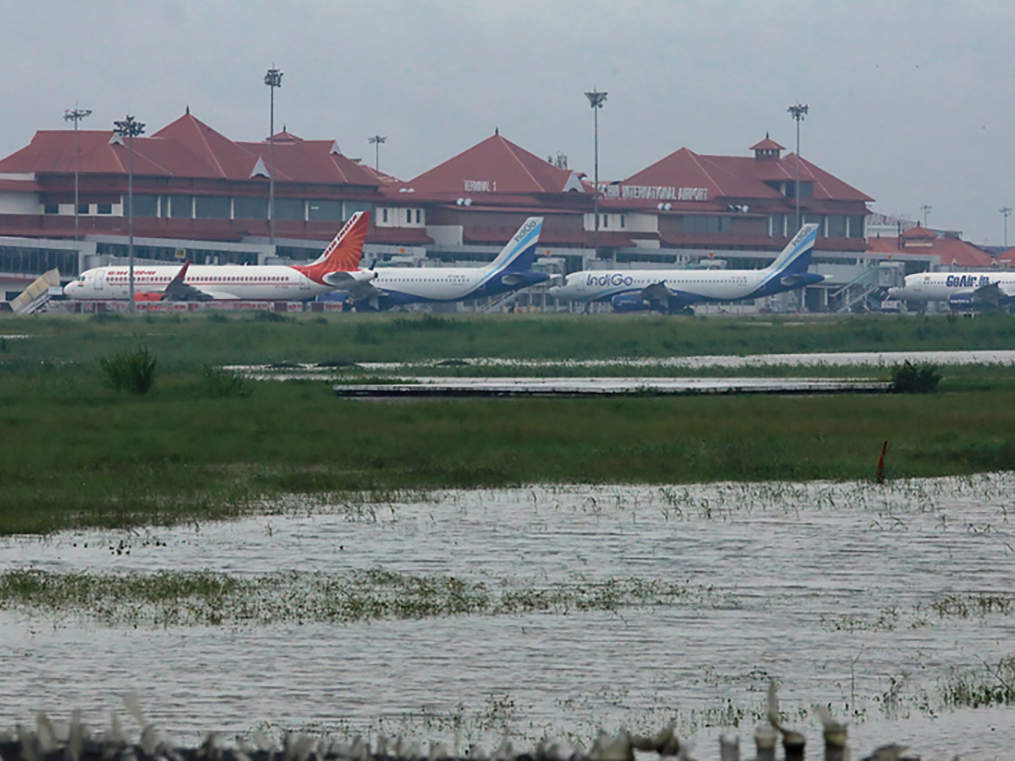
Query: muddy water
{"x":827,"y":587}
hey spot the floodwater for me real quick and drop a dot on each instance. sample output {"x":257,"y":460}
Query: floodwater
{"x":427,"y":386}
{"x":827,"y":587}
{"x":809,"y":359}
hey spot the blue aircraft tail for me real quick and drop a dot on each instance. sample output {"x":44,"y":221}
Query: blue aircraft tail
{"x":519,"y":253}
{"x":796,"y":257}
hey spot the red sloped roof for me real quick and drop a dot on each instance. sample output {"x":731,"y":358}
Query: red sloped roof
{"x":741,"y":176}
{"x":187,"y":147}
{"x":505,"y":166}
{"x":220,"y":155}
{"x":1007,"y":258}
{"x":953,"y":251}
{"x":767,"y":144}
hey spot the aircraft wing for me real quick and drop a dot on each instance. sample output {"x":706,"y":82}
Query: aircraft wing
{"x":993,"y":293}
{"x":177,"y":290}
{"x":658,"y":296}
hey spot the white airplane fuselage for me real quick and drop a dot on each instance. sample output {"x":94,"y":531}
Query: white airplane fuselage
{"x":228,"y":281}
{"x":403,"y":285}
{"x":941,"y":286}
{"x":723,"y":285}
{"x":673,"y":289}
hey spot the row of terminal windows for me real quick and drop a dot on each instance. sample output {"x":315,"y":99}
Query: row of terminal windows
{"x":36,"y":260}
{"x":223,"y":207}
{"x":389,"y":216}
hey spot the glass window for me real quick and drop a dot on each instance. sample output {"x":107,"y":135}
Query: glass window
{"x":324,"y":209}
{"x":82,"y":208}
{"x":181,"y":206}
{"x":250,"y":208}
{"x":419,"y":216}
{"x":856,"y":227}
{"x":145,"y":205}
{"x":289,"y":208}
{"x":351,"y":207}
{"x":836,"y":226}
{"x":104,"y":208}
{"x":806,"y":189}
{"x":52,"y":208}
{"x":384,"y":216}
{"x":211,"y":207}
{"x":704,"y":223}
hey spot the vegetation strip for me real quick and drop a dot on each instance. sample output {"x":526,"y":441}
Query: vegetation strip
{"x":173,"y":598}
{"x":86,"y":449}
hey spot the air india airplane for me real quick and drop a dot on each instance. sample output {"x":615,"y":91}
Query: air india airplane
{"x":337,"y":267}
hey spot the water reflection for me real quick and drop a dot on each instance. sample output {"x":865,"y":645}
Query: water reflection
{"x":829,"y":587}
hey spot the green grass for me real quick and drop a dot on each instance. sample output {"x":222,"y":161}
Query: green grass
{"x":202,"y":444}
{"x":206,"y":339}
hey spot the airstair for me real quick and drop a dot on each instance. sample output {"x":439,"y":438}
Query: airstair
{"x":35,"y":296}
{"x":504,"y":300}
{"x":856,"y":291}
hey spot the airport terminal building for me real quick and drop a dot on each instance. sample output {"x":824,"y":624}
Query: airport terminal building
{"x":199,"y":196}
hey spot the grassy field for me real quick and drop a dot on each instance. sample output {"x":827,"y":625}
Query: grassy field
{"x":78,"y":453}
{"x":233,"y":339}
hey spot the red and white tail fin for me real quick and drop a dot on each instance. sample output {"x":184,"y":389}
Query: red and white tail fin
{"x":345,"y":251}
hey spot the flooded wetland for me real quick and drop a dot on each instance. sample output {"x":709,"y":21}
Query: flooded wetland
{"x":468,"y":616}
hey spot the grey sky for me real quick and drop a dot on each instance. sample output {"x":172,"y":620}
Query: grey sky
{"x":909,"y":101}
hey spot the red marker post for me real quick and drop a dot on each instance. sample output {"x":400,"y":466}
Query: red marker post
{"x":880,"y":477}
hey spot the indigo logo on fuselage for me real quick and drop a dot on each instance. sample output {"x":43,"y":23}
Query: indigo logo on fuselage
{"x":610,"y":278}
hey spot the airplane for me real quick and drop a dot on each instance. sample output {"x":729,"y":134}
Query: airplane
{"x":510,"y":271}
{"x":336,"y":267}
{"x":675,"y":290}
{"x":962,"y":290}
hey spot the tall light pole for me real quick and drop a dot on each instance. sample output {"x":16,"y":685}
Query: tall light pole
{"x":376,"y":141}
{"x":798,"y":112}
{"x":596,"y":100}
{"x":273,"y":79}
{"x":925,"y":210}
{"x":130,"y":128}
{"x":75,"y":115}
{"x":1005,"y":213}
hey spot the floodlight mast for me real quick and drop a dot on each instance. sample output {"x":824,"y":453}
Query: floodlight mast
{"x":273,"y":79}
{"x":596,"y":100}
{"x":1005,"y":213}
{"x":925,"y":210}
{"x":75,"y":115}
{"x":130,"y":128}
{"x":798,"y":112}
{"x":376,"y":141}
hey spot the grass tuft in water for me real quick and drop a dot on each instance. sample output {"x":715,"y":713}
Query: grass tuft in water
{"x":170,"y":598}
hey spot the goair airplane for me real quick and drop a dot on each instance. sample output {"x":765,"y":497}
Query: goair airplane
{"x":337,"y":267}
{"x":673,"y":290}
{"x":962,"y":290}
{"x":510,"y":271}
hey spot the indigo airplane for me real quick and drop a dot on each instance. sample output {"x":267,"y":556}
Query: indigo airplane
{"x":510,"y":271}
{"x":674,"y":290}
{"x":962,"y":290}
{"x":338,"y":266}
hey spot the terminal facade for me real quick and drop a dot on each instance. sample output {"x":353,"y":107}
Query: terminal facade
{"x":199,"y":196}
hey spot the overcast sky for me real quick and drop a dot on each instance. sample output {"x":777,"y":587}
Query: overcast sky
{"x":910,"y":102}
